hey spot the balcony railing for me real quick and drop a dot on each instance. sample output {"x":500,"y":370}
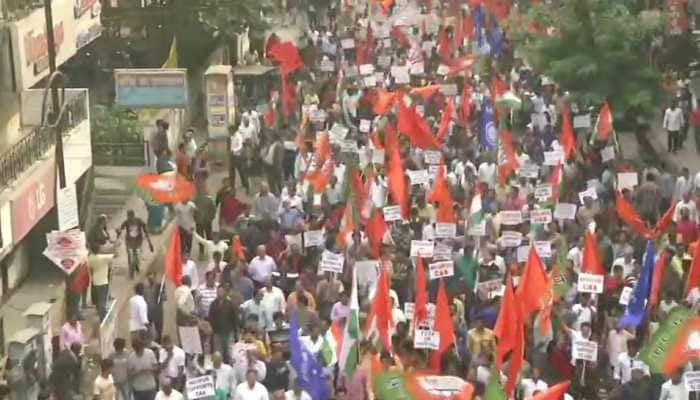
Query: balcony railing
{"x":33,"y":146}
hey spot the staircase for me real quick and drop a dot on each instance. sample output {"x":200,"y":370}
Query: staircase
{"x":113,"y":192}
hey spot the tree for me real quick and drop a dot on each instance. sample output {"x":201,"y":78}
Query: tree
{"x":595,"y":49}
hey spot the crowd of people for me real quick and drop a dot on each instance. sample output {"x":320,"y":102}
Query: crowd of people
{"x":420,"y":181}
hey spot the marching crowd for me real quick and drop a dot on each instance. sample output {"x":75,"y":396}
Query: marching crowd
{"x":429,"y":205}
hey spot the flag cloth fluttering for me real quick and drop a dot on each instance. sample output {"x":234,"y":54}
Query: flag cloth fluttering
{"x":660,"y":351}
{"x":628,"y":214}
{"x":507,"y":160}
{"x":533,"y":293}
{"x":411,"y":124}
{"x":507,"y":318}
{"x":171,"y":61}
{"x":309,"y":370}
{"x":636,"y":309}
{"x":375,"y":229}
{"x":694,"y":273}
{"x":396,"y":175}
{"x":443,"y":326}
{"x":604,"y":124}
{"x":380,"y":316}
{"x":349,"y":354}
{"x":173,"y":259}
{"x":657,"y":278}
{"x":420,"y":311}
{"x":568,"y":140}
{"x":591,"y":259}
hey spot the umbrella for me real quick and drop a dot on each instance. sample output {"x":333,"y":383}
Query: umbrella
{"x":166,"y":188}
{"x":509,"y":100}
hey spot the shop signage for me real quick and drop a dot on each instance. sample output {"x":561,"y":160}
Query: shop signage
{"x":36,"y":48}
{"x":151,"y":88}
{"x":33,"y":200}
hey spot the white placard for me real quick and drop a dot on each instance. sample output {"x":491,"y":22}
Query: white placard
{"x":582,"y":121}
{"x":541,"y":217}
{"x":293,"y":239}
{"x":332,"y":262}
{"x":378,"y":156}
{"x":607,"y":154}
{"x":442,"y":252}
{"x":200,"y":387}
{"x":313,"y":238}
{"x":400,"y":74}
{"x":417,"y":68}
{"x":692,"y":381}
{"x":189,"y":339}
{"x":626,"y":295}
{"x":449,"y":89}
{"x":443,"y":69}
{"x":348,"y":43}
{"x":432,"y":157}
{"x":584,"y":350}
{"x":511,"y":217}
{"x":590,"y":283}
{"x":529,"y":171}
{"x":565,"y":211}
{"x":370,"y":81}
{"x":384,"y":61}
{"x":392,"y":213}
{"x":553,"y":158}
{"x":427,"y":46}
{"x":442,"y":269}
{"x":627,"y":180}
{"x":419,"y":177}
{"x":590,"y":192}
{"x":338,"y":133}
{"x":522,"y":253}
{"x":489,"y":289}
{"x":543,"y":248}
{"x":423,"y":248}
{"x":408,"y":310}
{"x":67,"y":208}
{"x":365,"y":125}
{"x":478,"y":229}
{"x":511,"y":238}
{"x":543,"y":191}
{"x":445,"y":230}
{"x":426,"y":339}
{"x":366,"y":69}
{"x":348,"y":146}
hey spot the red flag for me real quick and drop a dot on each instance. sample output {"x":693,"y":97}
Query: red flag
{"x":507,"y":319}
{"x":270,"y":116}
{"x":694,"y":274}
{"x":468,"y":26}
{"x":288,"y":96}
{"x":380,"y":310}
{"x":286,"y":55}
{"x":460,"y":64}
{"x":665,"y":220}
{"x":555,"y":392}
{"x":173,"y":259}
{"x":659,"y":268}
{"x":375,"y":229}
{"x":414,"y":126}
{"x":383,"y":101}
{"x":591,"y":259}
{"x":80,"y":279}
{"x":628,"y":214}
{"x":555,"y":181}
{"x":532,"y":292}
{"x":319,"y":178}
{"x":444,"y":45}
{"x":445,"y":119}
{"x":498,"y":87}
{"x":500,"y":8}
{"x":400,"y":37}
{"x":465,"y":105}
{"x":420,"y":312}
{"x":515,"y":362}
{"x":603,"y":126}
{"x":507,"y":160}
{"x":425,"y":91}
{"x":377,"y":140}
{"x":441,"y":189}
{"x":396,"y":175}
{"x":443,"y":326}
{"x":568,"y":140}
{"x":237,"y":248}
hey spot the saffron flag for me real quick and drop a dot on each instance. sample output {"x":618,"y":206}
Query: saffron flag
{"x":420,"y":311}
{"x":657,"y":278}
{"x":380,"y":316}
{"x":411,"y":124}
{"x":662,"y":224}
{"x":534,"y":284}
{"x":658,"y":349}
{"x":396,"y":174}
{"x":628,"y":214}
{"x":507,"y":161}
{"x":507,"y":318}
{"x":173,"y":259}
{"x":694,"y":274}
{"x":568,"y":140}
{"x":636,"y":309}
{"x":443,"y":326}
{"x":445,"y":120}
{"x":375,"y":229}
{"x":604,"y":124}
{"x":591,"y":259}
{"x":287,"y":56}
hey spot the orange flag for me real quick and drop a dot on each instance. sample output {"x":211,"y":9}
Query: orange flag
{"x":591,"y":259}
{"x":375,"y":229}
{"x":517,"y":356}
{"x":507,"y":160}
{"x":603,"y":127}
{"x":173,"y":259}
{"x":396,"y":175}
{"x":380,"y":310}
{"x":534,"y":284}
{"x":507,"y":318}
{"x":568,"y":140}
{"x":420,"y":312}
{"x":383,"y":101}
{"x":411,"y":124}
{"x":555,"y":392}
{"x":628,"y":214}
{"x":665,"y":220}
{"x":425,"y":91}
{"x":694,"y":274}
{"x":659,"y":268}
{"x":441,"y":189}
{"x":445,"y":119}
{"x":443,"y":326}
{"x":237,"y":248}
{"x":465,"y":105}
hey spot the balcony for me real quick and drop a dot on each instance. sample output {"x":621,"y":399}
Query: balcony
{"x":34,"y":145}
{"x":16,"y":9}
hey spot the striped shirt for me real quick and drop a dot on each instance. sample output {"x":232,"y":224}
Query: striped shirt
{"x":206,"y":297}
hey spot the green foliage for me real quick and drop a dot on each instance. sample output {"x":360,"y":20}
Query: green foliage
{"x":115,"y":125}
{"x":596,"y":49}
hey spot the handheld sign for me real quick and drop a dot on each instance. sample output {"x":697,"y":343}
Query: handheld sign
{"x":332,"y":262}
{"x":200,"y":387}
{"x":590,"y":283}
{"x":584,"y":350}
{"x":442,"y":269}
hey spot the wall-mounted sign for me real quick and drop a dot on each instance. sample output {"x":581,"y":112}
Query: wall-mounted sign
{"x":151,"y":88}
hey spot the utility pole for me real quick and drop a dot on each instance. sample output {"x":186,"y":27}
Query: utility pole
{"x":56,"y":119}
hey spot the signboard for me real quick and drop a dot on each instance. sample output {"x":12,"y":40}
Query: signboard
{"x":313,"y":238}
{"x":392,"y":213}
{"x":511,"y":239}
{"x":543,"y":191}
{"x":626,"y":180}
{"x":33,"y":200}
{"x":543,"y":248}
{"x":582,"y":121}
{"x":626,"y":295}
{"x":511,"y":217}
{"x":590,"y":192}
{"x":529,"y":171}
{"x":586,"y":350}
{"x":67,"y":208}
{"x":432,"y":157}
{"x":426,"y":339}
{"x":200,"y":387}
{"x":442,"y":252}
{"x":66,"y":249}
{"x":445,"y":230}
{"x":422,"y":248}
{"x":219,"y":100}
{"x":565,"y":211}
{"x":151,"y":88}
{"x":419,"y":177}
{"x":590,"y":283}
{"x":442,"y":269}
{"x":490,"y":289}
{"x":331,"y":262}
{"x":692,"y":381}
{"x":541,"y":217}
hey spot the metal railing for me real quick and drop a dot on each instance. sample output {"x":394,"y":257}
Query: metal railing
{"x":126,"y":154}
{"x":34,"y":145}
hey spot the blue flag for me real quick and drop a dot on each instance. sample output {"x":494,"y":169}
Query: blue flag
{"x":478,"y":18}
{"x":309,"y":370}
{"x":496,"y":40}
{"x":638,"y":301}
{"x":489,"y":133}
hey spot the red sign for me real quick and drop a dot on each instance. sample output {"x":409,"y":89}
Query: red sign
{"x":675,"y":17}
{"x":33,"y":200}
{"x":36,"y":45}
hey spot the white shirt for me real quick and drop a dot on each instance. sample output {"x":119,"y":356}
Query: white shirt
{"x":583,"y":314}
{"x":225,"y":378}
{"x":576,"y":257}
{"x":184,"y":299}
{"x":103,"y":388}
{"x":190,"y":269}
{"x":690,"y":206}
{"x":530,"y":386}
{"x":174,"y":395}
{"x":184,"y":215}
{"x":237,"y":144}
{"x":673,"y":119}
{"x":273,"y":300}
{"x":671,"y":391}
{"x":260,"y":268}
{"x":138,"y":313}
{"x":487,"y":174}
{"x":175,"y":364}
{"x":625,"y":364}
{"x":682,"y":186}
{"x":378,"y":192}
{"x":289,"y":395}
{"x":245,"y":392}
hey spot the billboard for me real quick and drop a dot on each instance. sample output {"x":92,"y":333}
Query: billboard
{"x":151,"y":88}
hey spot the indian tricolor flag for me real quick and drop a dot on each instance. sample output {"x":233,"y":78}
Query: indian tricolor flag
{"x":476,"y":226}
{"x":350,"y":348}
{"x":676,"y":342}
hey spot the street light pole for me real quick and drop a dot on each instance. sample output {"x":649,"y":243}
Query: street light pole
{"x":56,"y":121}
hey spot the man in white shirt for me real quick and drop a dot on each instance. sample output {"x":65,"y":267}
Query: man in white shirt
{"x":261,"y":267}
{"x":225,"y":379}
{"x":189,"y":268}
{"x":167,"y":392}
{"x":533,"y":384}
{"x":273,"y":301}
{"x":685,"y":203}
{"x":674,"y":388}
{"x":583,"y":311}
{"x":172,"y":361}
{"x":487,"y":173}
{"x":184,"y":302}
{"x":184,"y":217}
{"x":251,"y":389}
{"x":297,"y":393}
{"x":138,"y":311}
{"x":629,"y":361}
{"x":673,"y":122}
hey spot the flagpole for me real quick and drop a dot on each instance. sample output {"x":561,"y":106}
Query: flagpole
{"x":162,"y":287}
